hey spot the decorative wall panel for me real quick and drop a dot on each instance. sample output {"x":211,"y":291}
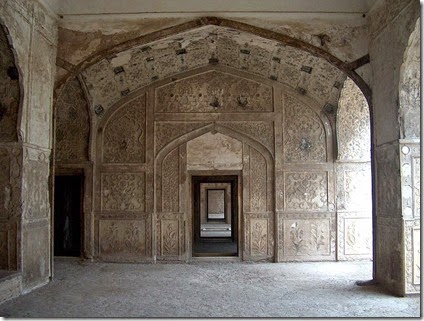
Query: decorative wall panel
{"x":258,"y":182}
{"x":353,"y":124}
{"x":72,"y":124}
{"x":214,"y":91}
{"x":308,"y":237}
{"x":260,"y":131}
{"x":10,"y":94}
{"x":123,"y":192}
{"x":170,"y":182}
{"x":259,"y":236}
{"x":166,"y":132}
{"x":304,"y":137}
{"x":170,"y":236}
{"x":124,"y":240}
{"x":124,"y":138}
{"x":306,"y":190}
{"x":358,"y":236}
{"x":36,"y":189}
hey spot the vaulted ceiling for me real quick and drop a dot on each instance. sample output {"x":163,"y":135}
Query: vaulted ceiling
{"x":117,"y":75}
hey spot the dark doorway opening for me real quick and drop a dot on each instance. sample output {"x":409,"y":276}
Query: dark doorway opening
{"x":215,"y":215}
{"x":68,"y":215}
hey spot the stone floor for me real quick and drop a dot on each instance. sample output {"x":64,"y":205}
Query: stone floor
{"x":207,"y":289}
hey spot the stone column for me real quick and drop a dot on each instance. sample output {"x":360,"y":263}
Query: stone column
{"x":33,"y":34}
{"x":391,"y":25}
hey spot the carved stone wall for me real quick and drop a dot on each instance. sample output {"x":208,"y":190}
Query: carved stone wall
{"x":150,"y":144}
{"x":353,"y":167}
{"x":124,"y":139}
{"x":29,"y":31}
{"x":410,"y":172}
{"x":304,"y":136}
{"x":353,"y":124}
{"x":72,"y":125}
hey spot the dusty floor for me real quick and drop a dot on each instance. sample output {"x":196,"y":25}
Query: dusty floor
{"x":206,"y":289}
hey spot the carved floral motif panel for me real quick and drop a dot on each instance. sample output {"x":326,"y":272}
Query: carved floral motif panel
{"x":307,"y":236}
{"x":258,"y":182}
{"x":353,"y":124}
{"x":304,"y":137}
{"x":170,"y":182}
{"x":124,"y":137}
{"x":166,"y":132}
{"x":357,"y":236}
{"x":123,"y":192}
{"x":123,"y":239}
{"x":72,"y":124}
{"x":214,"y":91}
{"x":306,"y":190}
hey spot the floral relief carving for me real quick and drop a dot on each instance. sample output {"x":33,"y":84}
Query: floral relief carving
{"x":416,"y":270}
{"x":296,"y":237}
{"x":358,"y":236}
{"x":306,"y":191}
{"x":124,"y":138}
{"x":258,"y":177}
{"x":259,"y":237}
{"x":307,"y":237}
{"x":72,"y":124}
{"x":261,"y":131}
{"x":123,"y":192}
{"x":9,"y":93}
{"x":170,"y":242}
{"x":197,"y":94}
{"x":170,"y":182}
{"x":166,"y":132}
{"x":318,"y":234}
{"x":353,"y":124}
{"x":122,"y":238}
{"x":304,"y":137}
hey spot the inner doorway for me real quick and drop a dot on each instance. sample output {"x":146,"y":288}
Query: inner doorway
{"x":215,"y":215}
{"x":68,"y":215}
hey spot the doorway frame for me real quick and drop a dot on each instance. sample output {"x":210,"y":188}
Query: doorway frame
{"x":190,"y":215}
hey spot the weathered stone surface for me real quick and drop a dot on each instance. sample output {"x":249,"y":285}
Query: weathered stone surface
{"x":304,"y":136}
{"x":124,"y":240}
{"x":124,"y":137}
{"x":353,"y":124}
{"x":214,"y":151}
{"x":192,"y":49}
{"x":214,"y":91}
{"x":72,"y":125}
{"x":123,"y":192}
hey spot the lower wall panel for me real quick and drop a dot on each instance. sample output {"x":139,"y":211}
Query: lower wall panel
{"x":125,"y":240}
{"x":258,"y":236}
{"x":170,"y":236}
{"x":307,"y":237}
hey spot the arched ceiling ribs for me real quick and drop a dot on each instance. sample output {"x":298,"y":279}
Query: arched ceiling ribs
{"x":256,"y":45}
